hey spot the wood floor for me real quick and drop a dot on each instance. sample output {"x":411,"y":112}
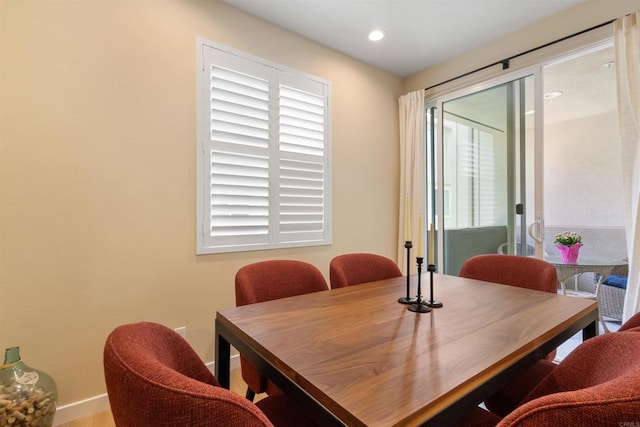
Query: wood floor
{"x":104,"y":419}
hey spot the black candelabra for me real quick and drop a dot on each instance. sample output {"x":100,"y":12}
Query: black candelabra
{"x":419,"y":306}
{"x":407,"y":299}
{"x":431,"y":303}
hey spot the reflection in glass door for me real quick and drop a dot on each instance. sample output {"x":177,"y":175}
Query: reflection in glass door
{"x":485,"y":139}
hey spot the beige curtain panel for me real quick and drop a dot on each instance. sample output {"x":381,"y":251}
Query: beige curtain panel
{"x":412,"y":174}
{"x":627,"y":50}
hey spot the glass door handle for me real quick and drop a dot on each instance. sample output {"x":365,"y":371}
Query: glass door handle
{"x":534,"y":231}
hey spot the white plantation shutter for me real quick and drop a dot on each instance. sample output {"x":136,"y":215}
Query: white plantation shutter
{"x":302,"y":155}
{"x":239,"y":196}
{"x":263,"y":171}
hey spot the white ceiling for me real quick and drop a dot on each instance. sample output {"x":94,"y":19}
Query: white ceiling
{"x":588,"y":88}
{"x":420,"y":33}
{"x":587,"y":84}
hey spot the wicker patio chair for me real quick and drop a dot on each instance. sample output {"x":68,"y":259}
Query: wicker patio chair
{"x":611,"y":296}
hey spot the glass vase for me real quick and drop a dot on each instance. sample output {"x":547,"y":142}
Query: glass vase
{"x":27,"y":396}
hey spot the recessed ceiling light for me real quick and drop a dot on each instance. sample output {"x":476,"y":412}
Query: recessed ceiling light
{"x":551,"y":95}
{"x":376,"y":35}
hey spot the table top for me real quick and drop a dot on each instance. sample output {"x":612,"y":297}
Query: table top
{"x":585,"y":262}
{"x":584,"y":265}
{"x":370,"y":361}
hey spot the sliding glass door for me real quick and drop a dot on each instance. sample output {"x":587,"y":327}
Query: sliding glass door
{"x":481,"y":189}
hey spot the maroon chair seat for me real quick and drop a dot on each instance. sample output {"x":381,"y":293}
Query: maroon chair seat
{"x":266,"y":281}
{"x":523,"y":272}
{"x":357,"y":268}
{"x":597,"y":384}
{"x":155,"y":378}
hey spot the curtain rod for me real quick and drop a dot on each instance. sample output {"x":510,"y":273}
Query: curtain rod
{"x":505,"y":62}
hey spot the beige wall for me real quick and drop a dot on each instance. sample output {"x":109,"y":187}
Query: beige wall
{"x":97,"y":154}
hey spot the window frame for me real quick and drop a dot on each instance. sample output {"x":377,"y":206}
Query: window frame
{"x":274,"y":236}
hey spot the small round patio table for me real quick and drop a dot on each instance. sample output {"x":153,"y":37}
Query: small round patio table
{"x":601,"y":270}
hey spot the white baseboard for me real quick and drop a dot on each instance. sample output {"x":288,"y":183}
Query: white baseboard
{"x":95,"y":405}
{"x":81,"y":409}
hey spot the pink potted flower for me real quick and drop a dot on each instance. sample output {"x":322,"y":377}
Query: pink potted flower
{"x":569,"y":244}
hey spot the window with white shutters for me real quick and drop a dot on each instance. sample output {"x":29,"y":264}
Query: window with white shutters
{"x":263,"y":154}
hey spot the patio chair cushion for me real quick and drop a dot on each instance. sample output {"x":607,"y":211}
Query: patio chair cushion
{"x":616,"y":281}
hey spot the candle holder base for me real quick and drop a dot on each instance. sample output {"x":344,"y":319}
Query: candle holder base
{"x":405,"y":300}
{"x":419,"y":307}
{"x":433,"y":304}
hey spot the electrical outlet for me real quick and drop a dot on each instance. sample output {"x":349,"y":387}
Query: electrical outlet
{"x":182,"y":331}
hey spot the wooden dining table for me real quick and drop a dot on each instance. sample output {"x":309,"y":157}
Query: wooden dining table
{"x":355,"y":356}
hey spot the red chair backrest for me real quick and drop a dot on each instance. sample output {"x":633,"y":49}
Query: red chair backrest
{"x":357,"y":268}
{"x":513,"y":270}
{"x":632,"y":323}
{"x":155,"y":378}
{"x":274,"y":279}
{"x":266,"y":281}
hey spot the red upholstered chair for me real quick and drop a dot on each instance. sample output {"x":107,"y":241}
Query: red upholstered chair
{"x":508,"y":398}
{"x":514,"y":270}
{"x":357,"y":268}
{"x":597,"y":384}
{"x":154,"y":378}
{"x":523,"y":272}
{"x":632,"y":323}
{"x":266,"y":281}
